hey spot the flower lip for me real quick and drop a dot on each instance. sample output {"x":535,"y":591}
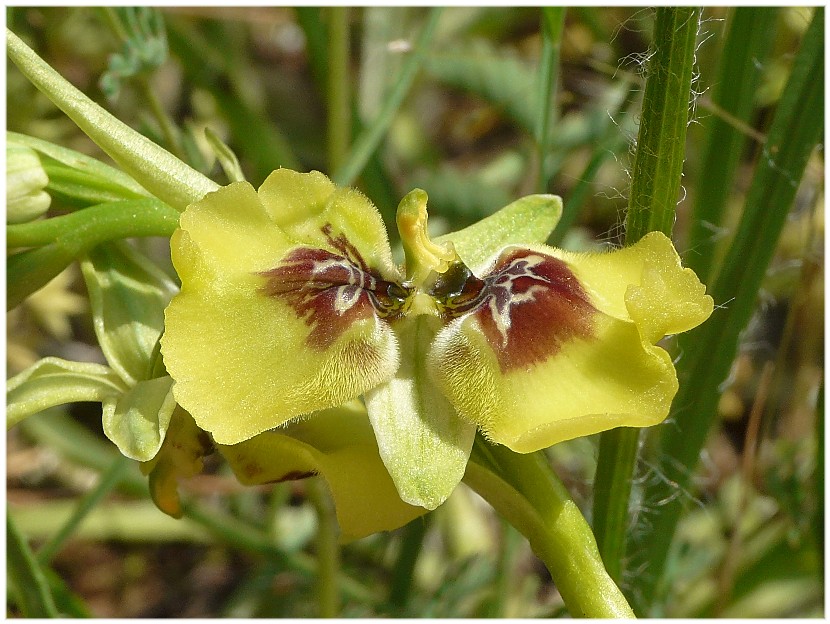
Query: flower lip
{"x":330,"y":292}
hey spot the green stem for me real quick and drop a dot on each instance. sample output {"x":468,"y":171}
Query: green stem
{"x":156,"y":169}
{"x":328,"y":551}
{"x":26,"y":576}
{"x":526,"y":492}
{"x":412,"y":539}
{"x":339,"y":112}
{"x":661,"y":142}
{"x":553,"y":21}
{"x":655,"y":187}
{"x":371,"y":137}
{"x":109,"y":480}
{"x":96,"y":224}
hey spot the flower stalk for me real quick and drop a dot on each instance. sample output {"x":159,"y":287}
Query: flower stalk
{"x":525,"y":491}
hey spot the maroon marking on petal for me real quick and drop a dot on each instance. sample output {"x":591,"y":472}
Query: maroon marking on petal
{"x":330,"y":291}
{"x":529,"y":305}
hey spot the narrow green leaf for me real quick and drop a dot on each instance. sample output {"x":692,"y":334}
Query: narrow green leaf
{"x":128,"y":294}
{"x":53,"y":381}
{"x":136,"y":421}
{"x":156,"y":169}
{"x":108,"y":481}
{"x":553,"y":22}
{"x":71,"y":159}
{"x":655,"y":188}
{"x":710,"y":349}
{"x":744,"y":52}
{"x":31,"y":270}
{"x":26,"y":576}
{"x":225,"y":156}
{"x":368,"y":141}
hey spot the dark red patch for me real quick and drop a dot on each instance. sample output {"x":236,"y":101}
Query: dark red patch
{"x":330,"y":291}
{"x":529,"y":305}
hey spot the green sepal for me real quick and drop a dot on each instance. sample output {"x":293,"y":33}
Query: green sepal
{"x":422,"y":440}
{"x":53,"y":381}
{"x":226,"y":157}
{"x":137,"y":420}
{"x":156,"y":169}
{"x":25,"y":180}
{"x":337,"y":444}
{"x":127,"y":295}
{"x":528,"y":220}
{"x":78,"y":176}
{"x":30,"y":270}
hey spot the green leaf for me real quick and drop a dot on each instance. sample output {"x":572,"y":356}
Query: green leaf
{"x":26,"y":576}
{"x":225,"y":156}
{"x":156,"y":169}
{"x":710,"y":350}
{"x":744,"y":54}
{"x":92,"y":169}
{"x":53,"y":381}
{"x":529,"y":220}
{"x":128,"y":295}
{"x":136,"y":421}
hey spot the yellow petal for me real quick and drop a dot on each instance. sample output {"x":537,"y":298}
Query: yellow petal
{"x":265,"y":330}
{"x":338,"y":444}
{"x":543,"y":356}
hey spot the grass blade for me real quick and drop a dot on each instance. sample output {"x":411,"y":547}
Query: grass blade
{"x":35,"y":599}
{"x":747,"y":45}
{"x":710,"y":349}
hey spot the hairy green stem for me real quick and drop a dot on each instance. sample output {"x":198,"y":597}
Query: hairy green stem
{"x":655,"y":188}
{"x":526,"y":492}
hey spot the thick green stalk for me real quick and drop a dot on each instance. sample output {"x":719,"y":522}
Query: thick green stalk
{"x":710,"y":349}
{"x":524,"y":490}
{"x":156,"y":169}
{"x":655,"y":187}
{"x":368,"y":141}
{"x":744,"y":51}
{"x":338,"y":82}
{"x":26,"y":576}
{"x":553,"y":22}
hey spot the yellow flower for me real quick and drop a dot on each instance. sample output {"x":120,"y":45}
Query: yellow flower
{"x":291,"y":303}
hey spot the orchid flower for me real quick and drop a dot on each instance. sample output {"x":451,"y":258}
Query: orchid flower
{"x":291,"y":304}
